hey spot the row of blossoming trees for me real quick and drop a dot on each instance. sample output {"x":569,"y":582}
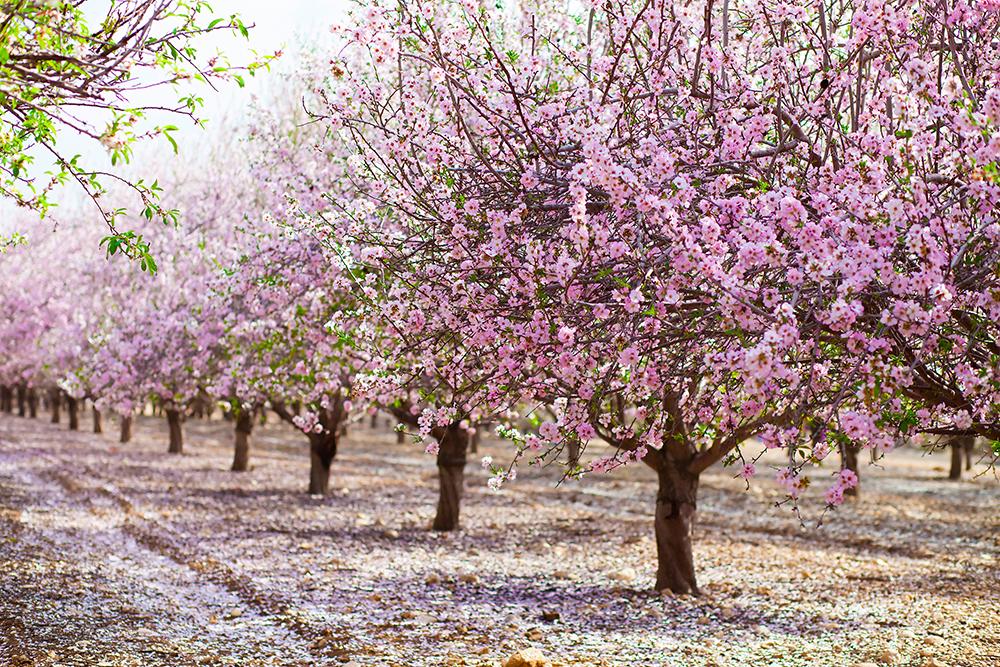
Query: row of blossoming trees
{"x":692,"y":232}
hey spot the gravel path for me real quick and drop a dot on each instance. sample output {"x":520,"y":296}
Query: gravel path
{"x":122,"y":555}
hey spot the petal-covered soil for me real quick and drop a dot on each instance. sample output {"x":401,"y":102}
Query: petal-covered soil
{"x":124,"y":555}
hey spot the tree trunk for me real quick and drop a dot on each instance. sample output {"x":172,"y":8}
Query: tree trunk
{"x":5,"y":404}
{"x":849,"y":460}
{"x":573,"y":453}
{"x":676,"y":504}
{"x":32,"y":403}
{"x":322,"y":450}
{"x":126,"y":428}
{"x":400,"y":437}
{"x":959,"y":446}
{"x":374,"y":420}
{"x":474,"y":440}
{"x":970,"y":448}
{"x":451,"y":457}
{"x":74,"y":414}
{"x":98,"y":422}
{"x":22,"y":401}
{"x":242,"y":430}
{"x":55,"y":400}
{"x":176,"y":434}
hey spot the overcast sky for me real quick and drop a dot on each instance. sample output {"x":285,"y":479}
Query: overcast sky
{"x":281,"y":24}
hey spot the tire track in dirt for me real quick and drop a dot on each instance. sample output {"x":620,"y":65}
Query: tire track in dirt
{"x":51,"y":554}
{"x":159,"y":538}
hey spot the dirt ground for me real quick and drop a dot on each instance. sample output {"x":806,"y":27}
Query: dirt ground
{"x":122,"y":555}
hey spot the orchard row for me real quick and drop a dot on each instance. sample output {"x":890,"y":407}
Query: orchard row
{"x":692,"y":234}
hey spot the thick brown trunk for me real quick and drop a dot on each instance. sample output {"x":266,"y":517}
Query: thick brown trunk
{"x":970,"y":448}
{"x":98,"y":422}
{"x":474,"y":440}
{"x":959,"y":446}
{"x":400,"y":437}
{"x":5,"y":402}
{"x":849,"y":460}
{"x":126,"y":428}
{"x":32,"y":403}
{"x":72,"y":409}
{"x":241,"y":449}
{"x":451,"y":457}
{"x":322,"y":450}
{"x":676,"y":504}
{"x":55,"y":400}
{"x":22,"y":401}
{"x":176,"y":434}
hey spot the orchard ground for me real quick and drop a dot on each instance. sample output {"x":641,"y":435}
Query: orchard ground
{"x":124,"y":555}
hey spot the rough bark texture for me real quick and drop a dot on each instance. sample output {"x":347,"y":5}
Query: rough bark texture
{"x":55,"y":400}
{"x":176,"y":434}
{"x":98,"y":422}
{"x":126,"y":429}
{"x":322,"y":450}
{"x":32,"y":403}
{"x":676,"y":505}
{"x":849,"y":460}
{"x":451,"y":458}
{"x":241,"y":448}
{"x":72,"y":409}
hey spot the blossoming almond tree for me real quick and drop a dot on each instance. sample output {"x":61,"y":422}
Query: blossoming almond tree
{"x":280,"y":302}
{"x":287,"y":318}
{"x":164,"y":339}
{"x":684,"y":224}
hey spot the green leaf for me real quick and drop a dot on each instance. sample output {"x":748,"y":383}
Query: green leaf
{"x":173,"y":142}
